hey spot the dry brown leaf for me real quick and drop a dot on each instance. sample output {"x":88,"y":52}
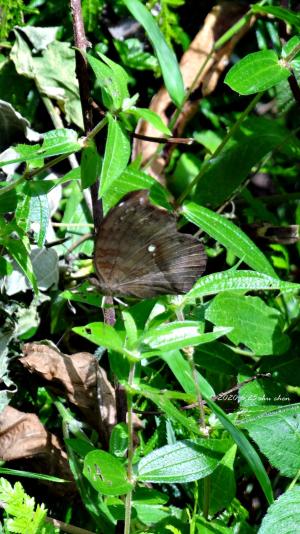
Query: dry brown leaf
{"x":79,"y":378}
{"x":22,"y":435}
{"x":217,"y":22}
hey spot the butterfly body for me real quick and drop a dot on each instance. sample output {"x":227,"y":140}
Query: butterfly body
{"x":140,"y":253}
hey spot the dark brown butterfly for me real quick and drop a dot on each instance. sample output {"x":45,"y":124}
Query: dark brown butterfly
{"x":139,"y":251}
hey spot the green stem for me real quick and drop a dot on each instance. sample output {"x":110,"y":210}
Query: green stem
{"x":128,"y":500}
{"x":206,"y":495}
{"x":295,"y":480}
{"x":51,"y":163}
{"x":194,"y":517}
{"x":292,"y":54}
{"x":97,"y":129}
{"x":12,"y":185}
{"x":219,"y":149}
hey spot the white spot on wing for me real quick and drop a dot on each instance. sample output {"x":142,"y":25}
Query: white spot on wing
{"x":151,"y":248}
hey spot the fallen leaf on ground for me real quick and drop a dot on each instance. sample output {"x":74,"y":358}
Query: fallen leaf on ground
{"x":77,"y":377}
{"x":22,"y":435}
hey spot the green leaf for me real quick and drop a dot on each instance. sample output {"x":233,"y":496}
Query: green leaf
{"x":106,"y":473}
{"x":182,"y":462}
{"x":181,"y":369}
{"x":76,"y":212}
{"x":150,"y":116}
{"x":246,"y":449}
{"x":113,"y":81}
{"x":101,"y":334}
{"x":166,"y":57}
{"x":83,"y":294}
{"x":237,"y":281}
{"x":277,"y":431}
{"x":56,"y":143}
{"x":131,"y":179}
{"x":53,"y":74}
{"x":116,"y":155}
{"x":218,"y":358}
{"x":178,"y":335}
{"x":118,"y":441}
{"x":133,"y":55}
{"x":283,"y":515}
{"x":5,"y":267}
{"x":256,"y":72}
{"x":90,"y":165}
{"x":222,"y":483}
{"x":257,"y":136}
{"x":60,"y":141}
{"x":42,"y":186}
{"x":160,"y":398}
{"x":281,"y":13}
{"x":229,"y":235}
{"x":8,"y":201}
{"x":120,"y":76}
{"x":19,"y":250}
{"x":253,"y":323}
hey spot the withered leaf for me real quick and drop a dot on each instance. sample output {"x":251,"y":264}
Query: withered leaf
{"x":22,"y":435}
{"x":77,"y":377}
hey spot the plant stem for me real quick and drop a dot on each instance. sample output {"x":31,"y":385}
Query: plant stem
{"x":206,"y":494}
{"x":194,"y":517}
{"x":97,"y":128}
{"x":128,"y":500}
{"x":12,"y":185}
{"x":190,"y":357}
{"x":219,"y":149}
{"x":81,"y":43}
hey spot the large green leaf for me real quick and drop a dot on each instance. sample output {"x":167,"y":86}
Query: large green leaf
{"x":229,"y":235}
{"x":53,"y":73}
{"x":246,"y":449}
{"x":101,"y":334}
{"x":222,"y":483}
{"x":256,"y":72}
{"x":182,"y":462}
{"x":55,"y":143}
{"x":106,"y":473}
{"x":225,"y":173}
{"x":277,"y":435}
{"x":237,"y":281}
{"x":166,"y":57}
{"x":254,"y":324}
{"x":179,"y":334}
{"x":283,"y":516}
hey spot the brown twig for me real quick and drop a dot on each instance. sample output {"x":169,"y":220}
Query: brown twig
{"x":81,"y":44}
{"x":214,"y":398}
{"x":70,"y":529}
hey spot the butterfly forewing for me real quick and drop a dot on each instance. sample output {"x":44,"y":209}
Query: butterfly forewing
{"x":139,"y":252}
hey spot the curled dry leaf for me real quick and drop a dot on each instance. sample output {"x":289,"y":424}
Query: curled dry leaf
{"x":22,"y":435}
{"x":217,"y":22}
{"x":79,"y":378}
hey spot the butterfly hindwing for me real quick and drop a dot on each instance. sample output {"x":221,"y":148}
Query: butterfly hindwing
{"x":139,"y":252}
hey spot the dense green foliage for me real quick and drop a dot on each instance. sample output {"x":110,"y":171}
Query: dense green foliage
{"x":211,"y":378}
